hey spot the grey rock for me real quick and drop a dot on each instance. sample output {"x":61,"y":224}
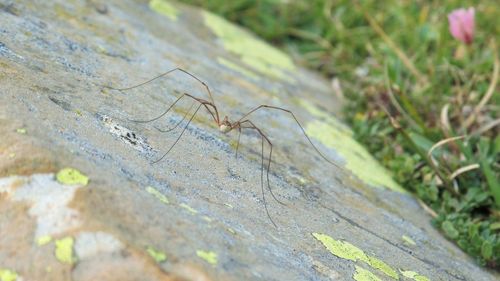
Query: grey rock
{"x":199,"y":213}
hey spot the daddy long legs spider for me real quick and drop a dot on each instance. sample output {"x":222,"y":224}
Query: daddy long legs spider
{"x":225,"y":126}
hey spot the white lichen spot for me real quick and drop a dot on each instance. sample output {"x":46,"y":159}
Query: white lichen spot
{"x":126,"y":135}
{"x":49,"y":202}
{"x":90,"y":244}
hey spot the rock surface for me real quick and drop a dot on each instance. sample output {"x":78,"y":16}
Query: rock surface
{"x":199,"y":213}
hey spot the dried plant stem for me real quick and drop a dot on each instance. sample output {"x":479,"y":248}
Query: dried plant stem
{"x":441,"y":143}
{"x":441,"y":176}
{"x":428,"y":209}
{"x":463,"y":170}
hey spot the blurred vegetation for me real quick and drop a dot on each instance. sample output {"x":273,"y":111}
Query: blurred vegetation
{"x":408,"y":85}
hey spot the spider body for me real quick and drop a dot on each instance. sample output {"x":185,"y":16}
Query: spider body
{"x":225,"y":126}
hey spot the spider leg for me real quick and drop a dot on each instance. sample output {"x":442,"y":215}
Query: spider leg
{"x":178,"y":123}
{"x":262,"y":182}
{"x":298,"y":123}
{"x":205,"y":103}
{"x":180,"y":135}
{"x":253,"y":126}
{"x":161,"y":115}
{"x":238,"y":143}
{"x":212,"y":102}
{"x":209,"y":106}
{"x":261,"y":171}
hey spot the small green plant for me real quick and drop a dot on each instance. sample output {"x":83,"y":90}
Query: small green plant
{"x":425,"y":102}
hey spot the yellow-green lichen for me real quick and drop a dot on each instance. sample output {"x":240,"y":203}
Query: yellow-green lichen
{"x":333,"y":134}
{"x":253,"y":52}
{"x":208,"y":256}
{"x":382,"y":266}
{"x":64,"y":250}
{"x":43,"y":240}
{"x":231,"y":65}
{"x":7,"y":275}
{"x":346,"y":250}
{"x":21,"y":131}
{"x":70,"y":176}
{"x":421,"y":278}
{"x":341,"y":249}
{"x":157,"y":194}
{"x":408,"y":240}
{"x":364,"y":275}
{"x":413,"y":275}
{"x":158,"y":256}
{"x":189,"y":208}
{"x":207,"y":219}
{"x":164,"y":8}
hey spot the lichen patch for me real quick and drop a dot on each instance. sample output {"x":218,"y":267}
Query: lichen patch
{"x":49,"y":201}
{"x":90,"y":244}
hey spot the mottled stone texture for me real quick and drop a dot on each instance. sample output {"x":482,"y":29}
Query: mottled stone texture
{"x":199,"y":213}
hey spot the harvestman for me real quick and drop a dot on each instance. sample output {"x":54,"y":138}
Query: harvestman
{"x":225,"y":126}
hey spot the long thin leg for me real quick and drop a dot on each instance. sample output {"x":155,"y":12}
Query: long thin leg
{"x":205,"y":103}
{"x":179,"y":137}
{"x":238,"y":143}
{"x":262,"y":182}
{"x":178,"y":123}
{"x":253,"y":126}
{"x":165,"y":74}
{"x":161,"y":115}
{"x":298,"y":123}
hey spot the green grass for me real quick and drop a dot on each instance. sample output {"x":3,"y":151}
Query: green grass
{"x":408,"y":85}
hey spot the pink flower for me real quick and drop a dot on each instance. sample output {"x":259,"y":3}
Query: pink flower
{"x":462,"y":24}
